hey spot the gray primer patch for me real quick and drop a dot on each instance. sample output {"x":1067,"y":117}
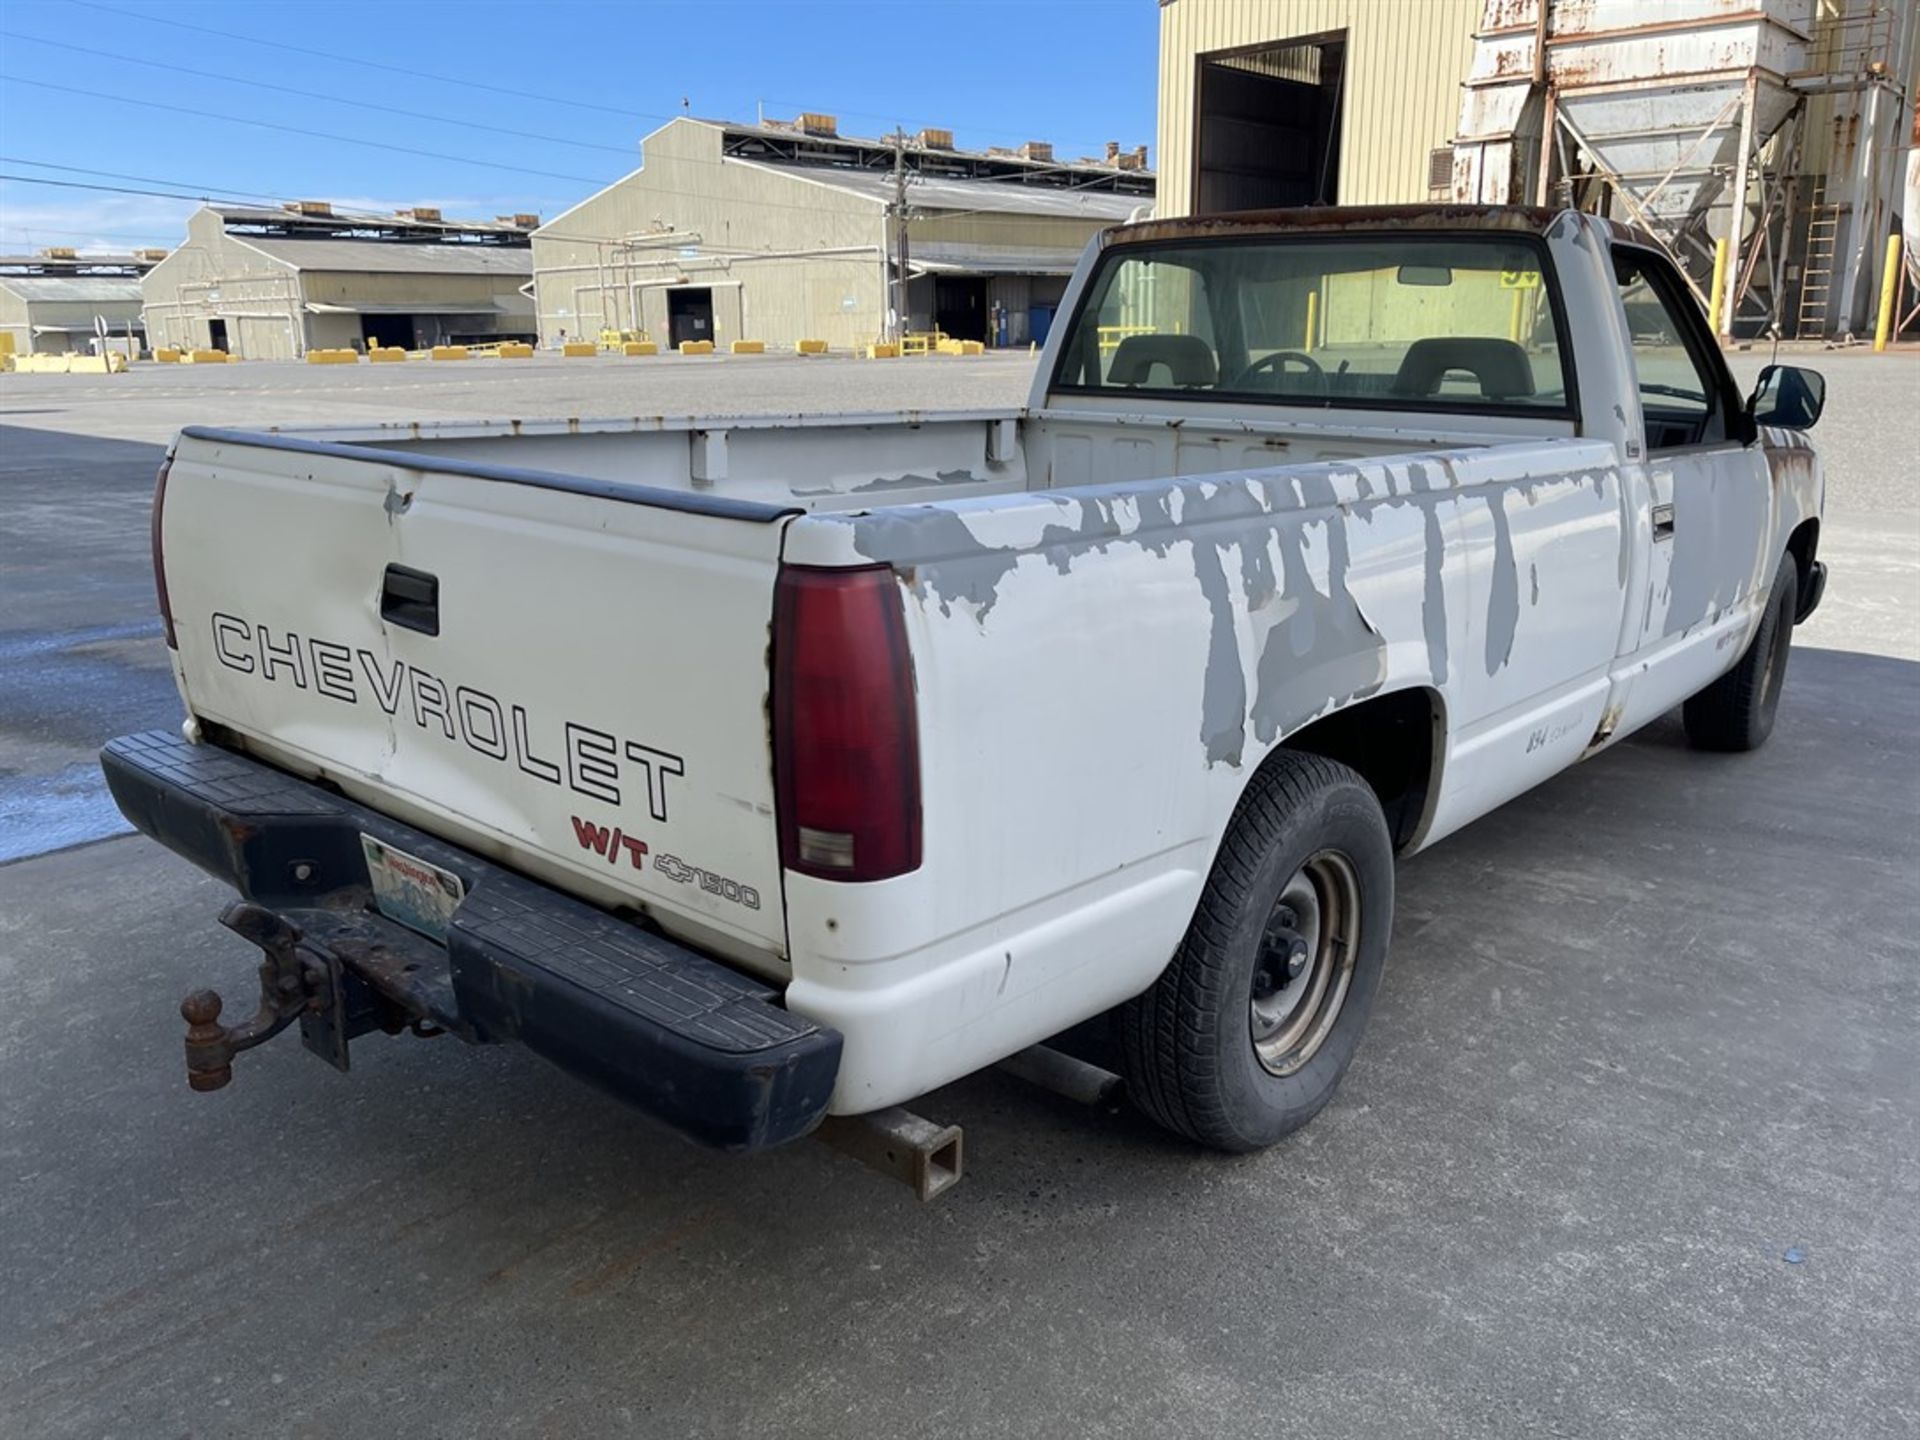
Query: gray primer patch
{"x":908,"y":481}
{"x":1626,"y":529}
{"x":936,"y":551}
{"x":1717,"y":538}
{"x":1326,"y":649}
{"x":1223,"y":694}
{"x":1533,"y":579}
{"x":1433,"y":603}
{"x":1503,"y":597}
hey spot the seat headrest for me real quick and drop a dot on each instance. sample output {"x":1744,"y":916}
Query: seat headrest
{"x":1501,"y":366}
{"x":1188,"y":360}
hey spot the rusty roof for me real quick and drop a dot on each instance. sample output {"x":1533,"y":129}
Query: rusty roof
{"x":1531,"y":219}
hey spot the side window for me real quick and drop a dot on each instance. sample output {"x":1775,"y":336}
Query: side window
{"x":1680,"y":394}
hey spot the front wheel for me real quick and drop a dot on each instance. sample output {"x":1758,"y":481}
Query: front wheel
{"x":1736,"y":711}
{"x":1247,"y":1032}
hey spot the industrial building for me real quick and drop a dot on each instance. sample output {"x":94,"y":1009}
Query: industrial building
{"x":60,"y":301}
{"x":1778,"y":127}
{"x":272,"y":284}
{"x":787,"y":231}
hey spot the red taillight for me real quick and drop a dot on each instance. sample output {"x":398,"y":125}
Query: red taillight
{"x":846,"y":750}
{"x":159,"y":562}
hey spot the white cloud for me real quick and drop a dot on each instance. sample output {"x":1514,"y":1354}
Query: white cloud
{"x":32,"y":217}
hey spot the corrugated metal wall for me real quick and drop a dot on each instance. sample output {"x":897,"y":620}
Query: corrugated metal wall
{"x":585,"y":279}
{"x":217,"y":276}
{"x":213,"y":276}
{"x":1405,"y":61}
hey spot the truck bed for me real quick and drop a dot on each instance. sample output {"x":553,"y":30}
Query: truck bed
{"x":867,"y":460}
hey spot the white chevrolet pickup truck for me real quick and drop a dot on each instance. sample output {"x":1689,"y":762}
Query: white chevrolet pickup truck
{"x":772,"y":768}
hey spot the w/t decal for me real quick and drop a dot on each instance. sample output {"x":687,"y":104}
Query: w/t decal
{"x":602,"y":841}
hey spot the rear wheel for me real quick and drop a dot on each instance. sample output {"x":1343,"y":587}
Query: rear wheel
{"x":1246,"y":1034}
{"x":1736,"y":711}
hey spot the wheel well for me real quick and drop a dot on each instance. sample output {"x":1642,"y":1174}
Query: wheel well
{"x":1803,"y":545}
{"x":1392,"y":741}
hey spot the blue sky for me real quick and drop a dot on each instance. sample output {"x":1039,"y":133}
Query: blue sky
{"x":995,"y":72}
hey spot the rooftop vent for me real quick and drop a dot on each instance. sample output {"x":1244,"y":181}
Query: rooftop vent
{"x":814,"y":123}
{"x":60,"y":252}
{"x":935,"y":139}
{"x":1134,"y":159}
{"x":1036,"y":150}
{"x":308,"y":207}
{"x":520,"y":220}
{"x":423,"y":212}
{"x":150,"y":254}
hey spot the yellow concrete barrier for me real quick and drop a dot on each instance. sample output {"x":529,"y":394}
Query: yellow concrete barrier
{"x":167,"y":357}
{"x":749,"y":347}
{"x":207,"y":357}
{"x":810,"y":347}
{"x":113,"y":362}
{"x":639,"y":347}
{"x":884,"y":351}
{"x":449,"y":352}
{"x":577,"y":349}
{"x":332,"y":357}
{"x":696,"y":347}
{"x":972,"y":347}
{"x":385,"y":354}
{"x":512,"y":351}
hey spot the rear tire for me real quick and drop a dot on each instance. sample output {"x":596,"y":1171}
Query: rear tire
{"x":1247,"y":1032}
{"x":1735,"y":712}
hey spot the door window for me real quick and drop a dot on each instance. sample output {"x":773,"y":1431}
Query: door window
{"x":1681,"y":395}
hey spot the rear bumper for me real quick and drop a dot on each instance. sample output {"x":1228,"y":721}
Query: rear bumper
{"x":688,"y":1040}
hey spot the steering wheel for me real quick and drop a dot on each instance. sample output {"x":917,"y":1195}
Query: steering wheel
{"x":1280,"y":360}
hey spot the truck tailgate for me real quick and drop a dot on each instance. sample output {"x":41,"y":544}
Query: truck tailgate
{"x":568,"y":676}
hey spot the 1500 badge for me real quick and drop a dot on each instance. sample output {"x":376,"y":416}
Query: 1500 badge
{"x":614,"y":844}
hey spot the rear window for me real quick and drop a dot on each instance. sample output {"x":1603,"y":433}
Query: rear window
{"x":1407,"y":323}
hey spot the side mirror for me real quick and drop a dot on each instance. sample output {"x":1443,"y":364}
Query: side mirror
{"x":1789,"y":397}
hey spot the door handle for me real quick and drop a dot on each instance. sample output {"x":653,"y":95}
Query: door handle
{"x":1663,"y":522}
{"x":410,"y":599}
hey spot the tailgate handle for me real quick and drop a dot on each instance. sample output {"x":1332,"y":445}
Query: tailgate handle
{"x":410,"y":599}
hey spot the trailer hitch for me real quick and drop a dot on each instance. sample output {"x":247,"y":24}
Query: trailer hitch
{"x":297,"y":979}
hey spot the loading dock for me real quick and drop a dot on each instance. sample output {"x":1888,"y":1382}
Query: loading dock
{"x":689,"y":314}
{"x":1268,"y":125}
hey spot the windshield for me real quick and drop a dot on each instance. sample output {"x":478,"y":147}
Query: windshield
{"x":1407,"y":323}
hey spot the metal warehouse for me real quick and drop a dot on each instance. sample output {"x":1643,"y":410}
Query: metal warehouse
{"x":1759,"y":139}
{"x":60,"y":301}
{"x":267,"y":284}
{"x":782,"y":232}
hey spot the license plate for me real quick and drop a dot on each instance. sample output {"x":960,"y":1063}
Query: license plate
{"x":420,"y":896}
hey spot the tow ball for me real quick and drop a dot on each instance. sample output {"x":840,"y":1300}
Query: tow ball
{"x":293,"y":981}
{"x":300,"y":979}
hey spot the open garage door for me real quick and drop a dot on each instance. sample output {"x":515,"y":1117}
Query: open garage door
{"x":1267,"y":131}
{"x":389,"y":331}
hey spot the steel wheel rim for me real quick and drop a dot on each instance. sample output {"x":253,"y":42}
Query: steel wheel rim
{"x":1308,"y":949}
